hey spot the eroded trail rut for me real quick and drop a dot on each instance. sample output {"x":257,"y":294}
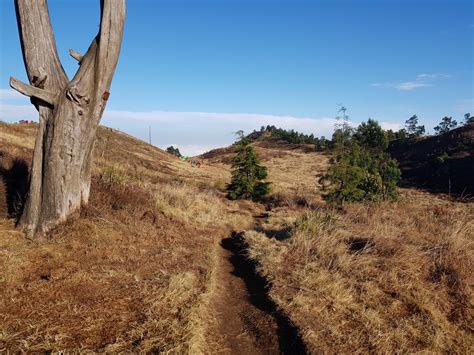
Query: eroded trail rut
{"x":248,"y":321}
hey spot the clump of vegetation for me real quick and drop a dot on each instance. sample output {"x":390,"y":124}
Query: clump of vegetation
{"x":412,"y":128}
{"x":362,"y":169}
{"x":291,"y":136}
{"x":446,"y":124}
{"x":114,"y":175}
{"x":174,"y":151}
{"x":248,"y":175}
{"x":468,"y":118}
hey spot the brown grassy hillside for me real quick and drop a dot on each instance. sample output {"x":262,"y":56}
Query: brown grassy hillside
{"x":386,"y":278}
{"x":131,"y":273}
{"x":161,"y":261}
{"x":389,"y":278}
{"x":293,"y":169}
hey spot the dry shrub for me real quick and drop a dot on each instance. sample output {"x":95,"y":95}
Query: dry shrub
{"x":388,"y":278}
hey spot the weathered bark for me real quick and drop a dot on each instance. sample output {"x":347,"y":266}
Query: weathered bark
{"x":69,"y":111}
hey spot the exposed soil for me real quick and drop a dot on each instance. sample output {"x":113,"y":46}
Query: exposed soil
{"x":241,"y":327}
{"x":248,"y":320}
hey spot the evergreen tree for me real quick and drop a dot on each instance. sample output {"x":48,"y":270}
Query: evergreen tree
{"x":400,"y":134}
{"x":362,"y":170}
{"x":342,"y":130}
{"x":468,"y":118}
{"x":412,"y":127}
{"x":371,"y":136}
{"x":174,"y":151}
{"x":446,"y":124}
{"x":248,"y":175}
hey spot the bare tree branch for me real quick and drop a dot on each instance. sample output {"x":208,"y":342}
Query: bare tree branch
{"x":76,"y":55}
{"x":32,"y":91}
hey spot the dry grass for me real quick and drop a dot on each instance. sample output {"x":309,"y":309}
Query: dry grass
{"x":388,"y":278}
{"x":293,"y":171}
{"x":133,"y":272}
{"x":136,"y":272}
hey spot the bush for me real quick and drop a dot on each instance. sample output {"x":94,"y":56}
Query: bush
{"x":174,"y":151}
{"x":362,"y":170}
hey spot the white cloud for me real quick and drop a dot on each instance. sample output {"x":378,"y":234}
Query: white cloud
{"x":432,"y":76}
{"x":10,"y":94}
{"x":193,"y":149}
{"x":192,"y":132}
{"x":411,"y":85}
{"x":197,"y":132}
{"x":13,"y":113}
{"x":253,"y":120}
{"x":391,"y":125}
{"x":421,"y":81}
{"x":14,"y":106}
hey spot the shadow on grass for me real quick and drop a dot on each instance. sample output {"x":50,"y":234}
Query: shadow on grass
{"x":15,"y":178}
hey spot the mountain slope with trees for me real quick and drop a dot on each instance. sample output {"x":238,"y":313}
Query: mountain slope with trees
{"x":443,"y":162}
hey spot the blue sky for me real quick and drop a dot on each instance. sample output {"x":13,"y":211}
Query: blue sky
{"x":196,"y":71}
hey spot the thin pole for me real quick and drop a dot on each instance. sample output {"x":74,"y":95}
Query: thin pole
{"x":149,"y":134}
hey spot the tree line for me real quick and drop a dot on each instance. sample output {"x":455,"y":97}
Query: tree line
{"x":361,"y":170}
{"x":290,"y":136}
{"x":412,"y":129}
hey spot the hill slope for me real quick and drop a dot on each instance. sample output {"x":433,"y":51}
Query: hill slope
{"x":161,"y":261}
{"x":133,"y":272}
{"x":293,"y":169}
{"x":419,"y":165}
{"x":144,"y":267}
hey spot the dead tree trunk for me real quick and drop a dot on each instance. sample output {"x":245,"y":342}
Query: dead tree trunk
{"x":69,"y":111}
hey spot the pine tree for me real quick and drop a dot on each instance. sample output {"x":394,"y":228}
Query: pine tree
{"x":412,"y":127}
{"x":362,"y":169}
{"x":174,"y":151}
{"x":371,"y":136}
{"x":446,"y":124}
{"x":342,"y":131}
{"x":248,"y":175}
{"x":468,"y":118}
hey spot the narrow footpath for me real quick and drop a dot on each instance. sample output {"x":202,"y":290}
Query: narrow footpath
{"x":247,"y":320}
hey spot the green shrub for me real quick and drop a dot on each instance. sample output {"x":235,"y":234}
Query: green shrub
{"x":361,"y":169}
{"x":174,"y":151}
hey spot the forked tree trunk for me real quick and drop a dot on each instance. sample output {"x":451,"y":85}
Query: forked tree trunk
{"x":69,"y":111}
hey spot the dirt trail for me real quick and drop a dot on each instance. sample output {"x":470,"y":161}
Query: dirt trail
{"x":248,"y":321}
